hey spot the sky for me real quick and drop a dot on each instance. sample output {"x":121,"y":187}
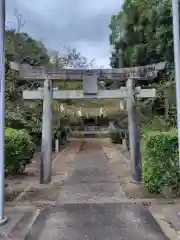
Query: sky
{"x":80,"y":24}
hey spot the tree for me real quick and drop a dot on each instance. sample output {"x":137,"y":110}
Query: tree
{"x":141,"y":33}
{"x":19,"y":113}
{"x":22,"y":48}
{"x":71,"y":59}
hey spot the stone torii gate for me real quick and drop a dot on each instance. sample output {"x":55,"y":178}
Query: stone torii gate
{"x":90,"y":78}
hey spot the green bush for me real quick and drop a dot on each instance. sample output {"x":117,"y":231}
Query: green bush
{"x":115,"y":136}
{"x":61,"y":133}
{"x":19,"y":150}
{"x":160,"y":160}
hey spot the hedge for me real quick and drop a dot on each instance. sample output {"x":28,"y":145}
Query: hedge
{"x":19,"y":150}
{"x":160,"y":160}
{"x":61,"y":133}
{"x":115,"y":136}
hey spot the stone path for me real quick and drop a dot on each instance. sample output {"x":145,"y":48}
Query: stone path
{"x":91,"y":179}
{"x":92,"y":206}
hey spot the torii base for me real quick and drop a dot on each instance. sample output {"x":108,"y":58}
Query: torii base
{"x":135,"y":182}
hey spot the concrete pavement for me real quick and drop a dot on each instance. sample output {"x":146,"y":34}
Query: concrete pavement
{"x":92,"y":205}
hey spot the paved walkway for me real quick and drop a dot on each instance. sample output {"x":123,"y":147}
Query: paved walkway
{"x":93,"y":206}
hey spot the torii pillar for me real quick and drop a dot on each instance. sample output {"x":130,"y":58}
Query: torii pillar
{"x":134,"y":132}
{"x":46,"y":145}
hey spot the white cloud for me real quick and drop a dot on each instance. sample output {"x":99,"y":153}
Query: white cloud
{"x":74,"y":23}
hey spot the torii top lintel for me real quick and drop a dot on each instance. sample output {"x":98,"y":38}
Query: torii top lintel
{"x":27,"y":72}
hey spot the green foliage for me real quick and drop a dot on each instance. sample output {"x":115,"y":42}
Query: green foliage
{"x":18,"y":112}
{"x":160,"y":160}
{"x":19,"y":150}
{"x":61,"y":133}
{"x":115,"y":136}
{"x":24,"y":49}
{"x":141,"y":33}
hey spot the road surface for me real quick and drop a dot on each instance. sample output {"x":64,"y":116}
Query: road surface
{"x":92,"y":206}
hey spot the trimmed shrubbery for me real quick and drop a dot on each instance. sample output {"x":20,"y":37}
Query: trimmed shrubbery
{"x":115,"y":136}
{"x":160,"y":160}
{"x":61,"y":133}
{"x":19,"y":150}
